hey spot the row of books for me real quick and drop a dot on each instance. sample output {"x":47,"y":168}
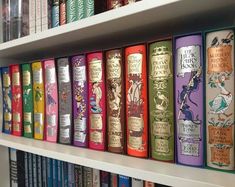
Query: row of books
{"x":27,"y":169}
{"x":108,"y":100}
{"x":23,"y":17}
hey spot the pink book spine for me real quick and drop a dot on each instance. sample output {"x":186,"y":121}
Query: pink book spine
{"x":97,"y":107}
{"x":51,"y":100}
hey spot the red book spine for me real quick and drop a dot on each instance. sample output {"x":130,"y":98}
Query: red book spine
{"x":112,"y":4}
{"x":97,"y":107}
{"x":16,"y":100}
{"x":136,"y":101}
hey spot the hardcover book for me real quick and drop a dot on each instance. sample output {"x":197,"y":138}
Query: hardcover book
{"x":51,"y":100}
{"x":136,"y":101}
{"x":65,"y":98}
{"x":38,"y":16}
{"x":55,"y":172}
{"x":49,"y":172}
{"x":126,"y":2}
{"x":38,"y":96}
{"x":25,"y":18}
{"x":97,"y":108}
{"x":112,"y":4}
{"x":189,"y":99}
{"x":1,"y":102}
{"x":30,"y":163}
{"x":35,"y":175}
{"x":96,"y":178}
{"x":114,"y":179}
{"x":220,"y":99}
{"x":105,"y":178}
{"x":63,"y":12}
{"x":32,"y":16}
{"x":16,"y":88}
{"x":72,"y":10}
{"x":71,"y":180}
{"x":148,"y":184}
{"x":81,"y":9}
{"x":78,"y":174}
{"x":80,"y":101}
{"x":124,"y":181}
{"x":6,"y":20}
{"x":39,"y":170}
{"x":7,"y":97}
{"x":44,"y":171}
{"x":115,"y":101}
{"x":27,"y":100}
{"x":46,"y":14}
{"x":65,"y":174}
{"x":59,"y":170}
{"x":89,"y":8}
{"x":26,"y":170}
{"x":87,"y":177}
{"x":161,"y":102}
{"x":137,"y":182}
{"x":55,"y":14}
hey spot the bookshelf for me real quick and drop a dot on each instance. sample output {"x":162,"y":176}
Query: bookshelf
{"x":142,"y":21}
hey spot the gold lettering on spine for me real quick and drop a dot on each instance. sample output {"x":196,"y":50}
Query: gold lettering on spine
{"x":16,"y":79}
{"x":26,"y":78}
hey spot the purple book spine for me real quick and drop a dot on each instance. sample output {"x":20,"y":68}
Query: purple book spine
{"x":189,"y":99}
{"x":80,"y":94}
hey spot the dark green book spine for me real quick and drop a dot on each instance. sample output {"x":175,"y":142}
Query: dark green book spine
{"x":27,"y":100}
{"x":81,"y":9}
{"x":89,"y":8}
{"x":161,"y":100}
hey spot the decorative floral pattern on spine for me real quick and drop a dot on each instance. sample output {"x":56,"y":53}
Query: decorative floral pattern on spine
{"x":80,"y":103}
{"x":97,"y":108}
{"x":136,"y":101}
{"x":220,"y":99}
{"x":189,"y":99}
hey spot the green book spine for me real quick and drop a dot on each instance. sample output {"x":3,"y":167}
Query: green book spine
{"x":89,"y":8}
{"x":161,"y":100}
{"x":27,"y":100}
{"x":81,"y":9}
{"x":72,"y":10}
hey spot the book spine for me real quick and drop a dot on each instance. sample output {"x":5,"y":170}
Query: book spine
{"x":27,"y":100}
{"x":97,"y":113}
{"x":80,"y":101}
{"x":55,"y":14}
{"x":26,"y":169}
{"x":7,"y":105}
{"x":38,"y":95}
{"x":161,"y":100}
{"x":126,"y":2}
{"x":87,"y":177}
{"x":49,"y":172}
{"x":78,"y":174}
{"x":32,"y":16}
{"x":13,"y":167}
{"x":72,"y":10}
{"x":89,"y":8}
{"x":65,"y":98}
{"x":1,"y":21}
{"x":65,"y":174}
{"x":16,"y":100}
{"x":59,"y":170}
{"x":63,"y":12}
{"x":81,"y":9}
{"x":15,"y":19}
{"x":189,"y":100}
{"x":6,"y":20}
{"x":124,"y":181}
{"x":71,"y":180}
{"x":137,"y":182}
{"x":219,"y":99}
{"x":20,"y":168}
{"x":105,"y":178}
{"x":115,"y":101}
{"x":54,"y":173}
{"x":44,"y":171}
{"x":35,"y":176}
{"x":38,"y":16}
{"x":30,"y":163}
{"x":45,"y":12}
{"x":39,"y":170}
{"x":51,"y":100}
{"x":149,"y":184}
{"x":113,"y":4}
{"x":136,"y":101}
{"x":114,"y":180}
{"x":1,"y":102}
{"x":25,"y":18}
{"x":96,"y":178}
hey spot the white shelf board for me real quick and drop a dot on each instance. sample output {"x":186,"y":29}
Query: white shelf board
{"x":155,"y":171}
{"x":131,"y":18}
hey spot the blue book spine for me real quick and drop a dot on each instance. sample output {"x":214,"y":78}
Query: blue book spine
{"x":49,"y":172}
{"x":65,"y":174}
{"x":39,"y":168}
{"x":30,"y":166}
{"x":124,"y":181}
{"x":26,"y":171}
{"x":44,"y":171}
{"x":7,"y":96}
{"x":35,"y":180}
{"x":71,"y":180}
{"x":55,"y":14}
{"x":59,"y":170}
{"x":54,"y":172}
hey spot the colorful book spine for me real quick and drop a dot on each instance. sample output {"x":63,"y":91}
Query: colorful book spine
{"x":45,"y":14}
{"x":39,"y":170}
{"x":27,"y":100}
{"x":51,"y":100}
{"x":26,"y":170}
{"x":96,"y":178}
{"x":7,"y":105}
{"x":136,"y":101}
{"x":161,"y":102}
{"x":30,"y":162}
{"x":114,"y":180}
{"x":32,"y":16}
{"x":65,"y":98}
{"x":80,"y":101}
{"x":16,"y":88}
{"x":55,"y":14}
{"x":62,"y":12}
{"x":220,"y":99}
{"x":89,"y":8}
{"x":189,"y":99}
{"x":124,"y":181}
{"x":97,"y":108}
{"x":71,"y":180}
{"x":105,"y":178}
{"x":72,"y":10}
{"x":81,"y":9}
{"x":49,"y":172}
{"x":1,"y":102}
{"x":38,"y":16}
{"x":113,"y":4}
{"x":78,"y":174}
{"x":149,"y":184}
{"x":87,"y":177}
{"x":115,"y":101}
{"x":137,"y":182}
{"x":38,"y":96}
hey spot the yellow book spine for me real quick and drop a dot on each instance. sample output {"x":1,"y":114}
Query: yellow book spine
{"x":38,"y":98}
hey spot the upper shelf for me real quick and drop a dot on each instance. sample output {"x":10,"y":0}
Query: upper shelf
{"x":158,"y":172}
{"x":115,"y":27}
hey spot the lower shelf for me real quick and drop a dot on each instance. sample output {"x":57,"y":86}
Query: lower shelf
{"x":155,"y":171}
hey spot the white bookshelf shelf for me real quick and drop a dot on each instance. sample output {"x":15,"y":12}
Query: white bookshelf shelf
{"x":159,"y":172}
